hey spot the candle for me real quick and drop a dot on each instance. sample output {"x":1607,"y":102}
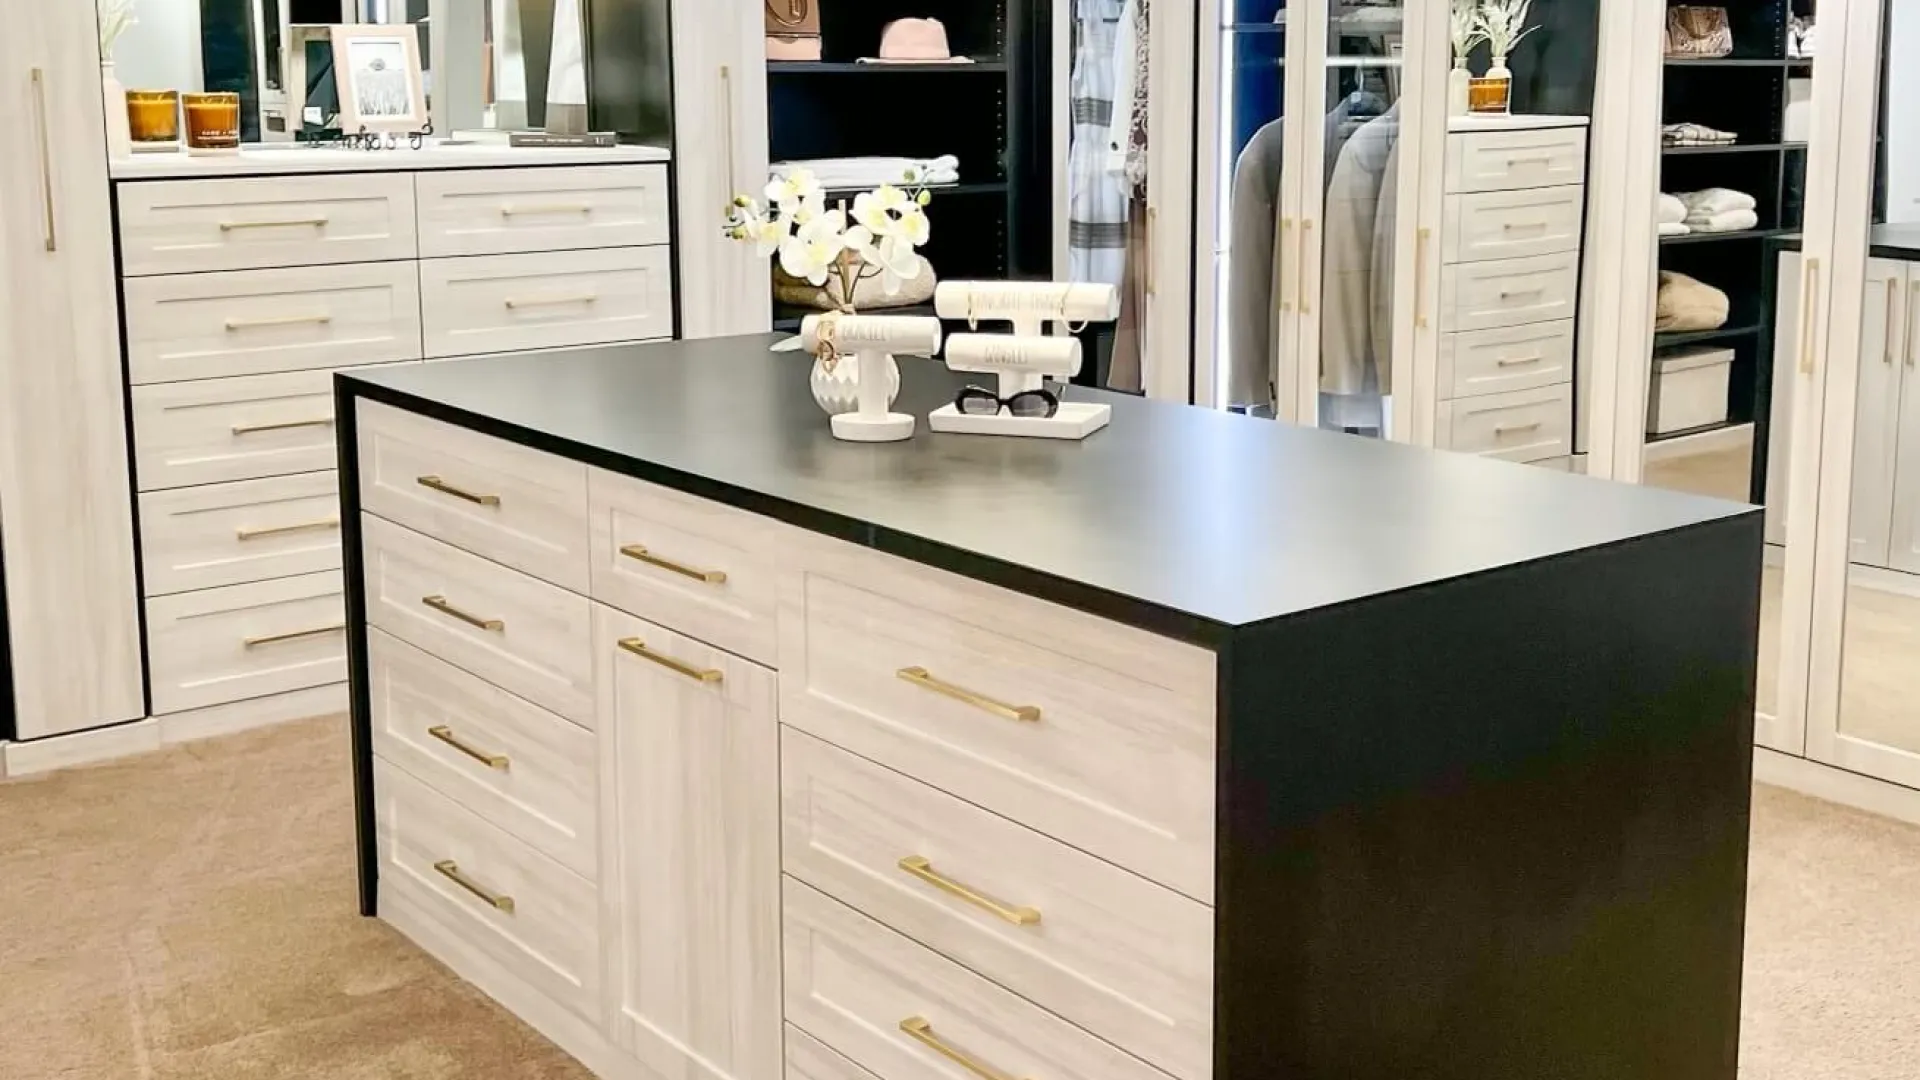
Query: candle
{"x":213,"y":120}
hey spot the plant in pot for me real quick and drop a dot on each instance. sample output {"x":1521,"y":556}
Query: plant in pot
{"x":840,"y":259}
{"x":115,"y":17}
{"x":1463,"y":29}
{"x":1503,"y":23}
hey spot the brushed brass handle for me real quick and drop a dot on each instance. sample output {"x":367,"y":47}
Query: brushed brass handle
{"x":639,"y":648}
{"x":49,"y":216}
{"x":492,"y":761}
{"x":1300,"y":270}
{"x":515,"y":303}
{"x":1539,"y":159}
{"x":1893,"y":305}
{"x":1515,"y":294}
{"x":436,"y":484}
{"x":919,"y":676}
{"x":439,"y":603}
{"x":1286,"y":226}
{"x":284,"y":425}
{"x":1420,"y":277}
{"x":283,"y":223}
{"x":641,"y":554}
{"x":1516,"y":429}
{"x":1516,"y":226}
{"x":920,"y":1030}
{"x":282,"y":320}
{"x":296,"y":635}
{"x":919,"y":866}
{"x":450,"y":870}
{"x":726,"y":132}
{"x":546,"y":208}
{"x":287,"y":530}
{"x":1516,"y":361}
{"x":1809,"y":299}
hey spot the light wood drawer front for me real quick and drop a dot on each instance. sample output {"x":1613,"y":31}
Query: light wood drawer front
{"x":903,"y":1012}
{"x":809,"y":1059}
{"x":1509,"y":292}
{"x":532,"y":915}
{"x":233,"y":429}
{"x":1124,"y":958}
{"x":1478,"y":362}
{"x":230,"y":534}
{"x":254,"y":322}
{"x":1513,"y":224}
{"x":519,"y":633}
{"x":515,"y":764}
{"x":701,"y":568}
{"x":1095,"y":734}
{"x":1526,"y":425}
{"x":514,"y":505}
{"x":503,"y":211}
{"x":187,"y":226}
{"x":1505,"y":160}
{"x":503,"y":303}
{"x":245,"y":641}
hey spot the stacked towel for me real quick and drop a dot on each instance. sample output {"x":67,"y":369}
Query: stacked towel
{"x":1696,"y":135}
{"x":1720,"y":210}
{"x":839,"y":174}
{"x":1675,"y":228}
{"x":1672,"y":216}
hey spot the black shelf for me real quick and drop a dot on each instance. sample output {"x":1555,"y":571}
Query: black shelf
{"x":1715,"y":237}
{"x":818,"y":67}
{"x":1671,"y":338}
{"x":1733,"y":148}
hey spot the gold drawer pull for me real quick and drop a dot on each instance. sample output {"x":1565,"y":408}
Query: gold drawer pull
{"x":282,"y":320}
{"x":444,"y":488}
{"x":919,"y":676}
{"x":1516,"y":361}
{"x":1538,"y":159}
{"x":287,"y":530}
{"x":639,"y":648}
{"x":284,"y":425}
{"x":439,"y":603}
{"x":275,"y":639}
{"x":451,"y":871}
{"x":1517,"y":293}
{"x":920,"y":867}
{"x":711,"y":577}
{"x":1516,"y":226}
{"x":515,"y":303}
{"x":287,"y":223}
{"x":550,"y":208}
{"x":445,"y":734}
{"x":1516,"y":429}
{"x":921,"y":1031}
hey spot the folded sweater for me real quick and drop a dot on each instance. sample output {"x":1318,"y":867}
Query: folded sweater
{"x":1717,"y":200}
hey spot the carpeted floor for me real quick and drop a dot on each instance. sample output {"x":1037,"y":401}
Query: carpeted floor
{"x":190,"y":916}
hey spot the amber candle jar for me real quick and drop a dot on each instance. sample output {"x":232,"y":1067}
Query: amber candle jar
{"x":213,"y":120}
{"x":153,"y":117}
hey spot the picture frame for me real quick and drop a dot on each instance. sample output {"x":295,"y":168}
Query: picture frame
{"x":377,"y":70}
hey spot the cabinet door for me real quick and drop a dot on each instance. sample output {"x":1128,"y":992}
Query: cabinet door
{"x":720,"y":115}
{"x":1883,"y":347}
{"x":66,"y":509}
{"x":690,"y":863}
{"x":1904,"y":527}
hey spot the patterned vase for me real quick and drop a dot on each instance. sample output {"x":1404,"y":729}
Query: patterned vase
{"x":838,"y":391}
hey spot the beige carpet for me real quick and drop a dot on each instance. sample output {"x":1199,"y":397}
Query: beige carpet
{"x":190,"y":915}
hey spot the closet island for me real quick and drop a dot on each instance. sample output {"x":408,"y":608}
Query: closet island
{"x":1207,"y":748}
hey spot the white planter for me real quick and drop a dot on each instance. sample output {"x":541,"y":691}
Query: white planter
{"x":838,"y":391}
{"x":113,"y":98}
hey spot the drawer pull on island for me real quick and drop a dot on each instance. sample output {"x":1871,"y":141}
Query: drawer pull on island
{"x":439,"y":603}
{"x":920,"y":867}
{"x":641,"y":554}
{"x":296,"y":635}
{"x":554,"y":208}
{"x":450,"y":870}
{"x":639,"y":648}
{"x":921,"y":677}
{"x":287,"y":530}
{"x":919,"y":1030}
{"x":285,"y":425}
{"x":1516,"y":361}
{"x":515,"y":303}
{"x":1517,"y":429}
{"x":492,"y":761}
{"x":444,"y":488}
{"x":289,"y":223}
{"x":280,"y":320}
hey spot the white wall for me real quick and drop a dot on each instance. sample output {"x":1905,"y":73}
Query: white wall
{"x":162,"y":50}
{"x":1903,"y":121}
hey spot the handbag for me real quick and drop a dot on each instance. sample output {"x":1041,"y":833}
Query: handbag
{"x":1699,"y":31}
{"x":793,"y":30}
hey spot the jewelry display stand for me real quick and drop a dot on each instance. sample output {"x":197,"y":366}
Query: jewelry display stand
{"x":868,"y":341}
{"x":1024,"y":359}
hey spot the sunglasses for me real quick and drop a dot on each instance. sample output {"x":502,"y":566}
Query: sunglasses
{"x":1033,"y":404}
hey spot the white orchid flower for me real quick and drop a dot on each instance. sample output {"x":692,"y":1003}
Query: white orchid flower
{"x":868,"y":214}
{"x":892,"y":255}
{"x":812,"y":250}
{"x":795,"y":190}
{"x":913,"y":225}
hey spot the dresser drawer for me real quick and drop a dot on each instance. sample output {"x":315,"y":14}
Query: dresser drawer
{"x":492,"y":892}
{"x":1478,"y":362}
{"x":253,"y":322}
{"x":187,"y":226}
{"x":233,"y":429}
{"x":1096,"y":734}
{"x":1116,"y":954}
{"x":503,"y":303}
{"x":515,"y":764}
{"x":903,"y":1012}
{"x":1509,"y":292}
{"x":1505,"y":160}
{"x":245,"y":641}
{"x":809,"y":1059}
{"x":1513,"y":224}
{"x":514,"y":505}
{"x":517,"y":632}
{"x":503,"y":211}
{"x":696,"y":566}
{"x":230,"y":534}
{"x":1526,"y":425}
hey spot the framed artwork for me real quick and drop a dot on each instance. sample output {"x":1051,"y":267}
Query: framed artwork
{"x":377,"y":70}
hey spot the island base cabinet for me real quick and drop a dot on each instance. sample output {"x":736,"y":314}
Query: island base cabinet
{"x":690,"y":787}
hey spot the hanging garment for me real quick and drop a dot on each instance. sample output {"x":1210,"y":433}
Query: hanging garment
{"x":1097,"y":196}
{"x":1127,"y":135}
{"x":1347,"y":302}
{"x":1127,"y":370}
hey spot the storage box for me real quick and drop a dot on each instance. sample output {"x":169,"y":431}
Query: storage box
{"x":1689,"y":390}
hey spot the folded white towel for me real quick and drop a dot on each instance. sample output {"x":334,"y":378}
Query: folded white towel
{"x":1725,"y":221}
{"x":862,"y":172}
{"x":1717,"y":200}
{"x":1672,"y":210}
{"x":1674,"y":228}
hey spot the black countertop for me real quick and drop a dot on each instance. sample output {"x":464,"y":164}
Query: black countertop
{"x":1900,"y":241}
{"x":1181,"y":520}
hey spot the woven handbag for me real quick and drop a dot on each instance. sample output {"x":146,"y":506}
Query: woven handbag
{"x":1698,"y":31}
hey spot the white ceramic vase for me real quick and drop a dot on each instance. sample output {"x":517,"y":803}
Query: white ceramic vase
{"x":838,"y":391}
{"x":1458,"y":81}
{"x":113,"y":98}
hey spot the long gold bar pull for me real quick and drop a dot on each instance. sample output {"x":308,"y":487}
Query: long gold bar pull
{"x":1809,"y":300}
{"x":919,"y":676}
{"x":1893,"y":308}
{"x":516,"y":303}
{"x":50,"y":217}
{"x":434,"y":483}
{"x":641,"y":554}
{"x":284,"y":425}
{"x":286,"y":223}
{"x":1280,"y":253}
{"x":439,"y":603}
{"x":639,"y":648}
{"x":492,"y":761}
{"x":1300,"y":272}
{"x":296,"y":635}
{"x":279,"y":320}
{"x":450,"y":870}
{"x":287,"y":530}
{"x":919,"y":866}
{"x":1420,"y":277}
{"x":920,"y":1030}
{"x":548,"y":208}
